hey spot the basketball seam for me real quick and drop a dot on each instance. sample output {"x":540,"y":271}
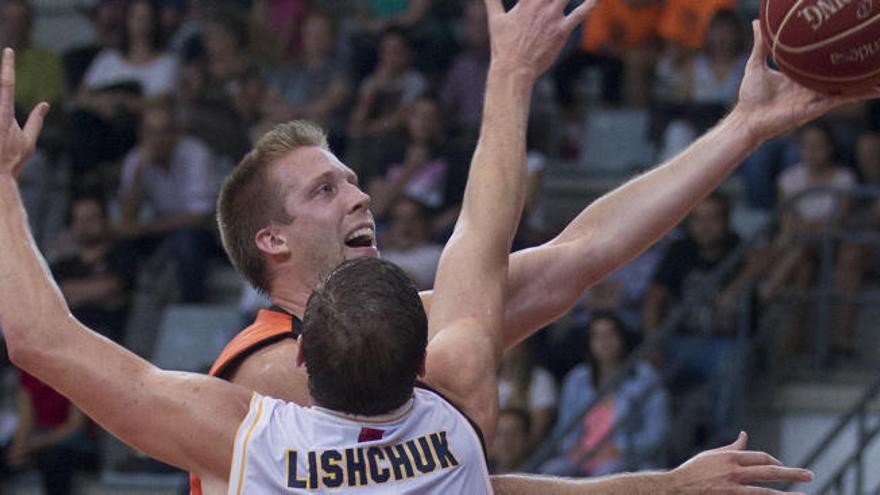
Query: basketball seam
{"x":836,"y":37}
{"x":820,"y":77}
{"x":782,"y":24}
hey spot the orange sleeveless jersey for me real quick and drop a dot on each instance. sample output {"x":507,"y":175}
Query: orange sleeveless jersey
{"x":270,"y":326}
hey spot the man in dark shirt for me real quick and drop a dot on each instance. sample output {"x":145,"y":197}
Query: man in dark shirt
{"x":704,"y":348}
{"x":97,"y":279}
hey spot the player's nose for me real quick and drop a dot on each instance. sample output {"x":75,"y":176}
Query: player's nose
{"x":360,"y":200}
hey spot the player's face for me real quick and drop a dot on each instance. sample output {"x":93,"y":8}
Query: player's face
{"x":708,"y":224}
{"x":332,"y":221}
{"x":605,"y":344}
{"x":816,"y":148}
{"x":140,"y":20}
{"x":317,"y":36}
{"x":88,"y":225}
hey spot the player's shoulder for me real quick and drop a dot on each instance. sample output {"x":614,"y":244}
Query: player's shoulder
{"x":272,"y":371}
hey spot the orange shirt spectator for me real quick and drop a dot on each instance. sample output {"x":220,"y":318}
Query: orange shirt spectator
{"x":685,"y":21}
{"x":617,"y":25}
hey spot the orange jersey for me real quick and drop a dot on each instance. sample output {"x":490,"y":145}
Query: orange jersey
{"x":271,"y":325}
{"x":618,"y":25}
{"x":686,"y":21}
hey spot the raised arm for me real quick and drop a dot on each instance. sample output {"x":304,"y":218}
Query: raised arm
{"x":546,"y":281}
{"x":183,"y":419}
{"x":472,"y":274}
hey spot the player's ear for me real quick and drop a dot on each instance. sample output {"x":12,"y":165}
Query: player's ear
{"x":300,"y":361}
{"x":272,"y":241}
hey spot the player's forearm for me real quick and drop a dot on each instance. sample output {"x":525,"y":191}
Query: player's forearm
{"x":649,"y":206}
{"x":496,"y":183}
{"x":30,"y":304}
{"x":622,"y":484}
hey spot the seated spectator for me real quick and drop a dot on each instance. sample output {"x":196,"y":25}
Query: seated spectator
{"x":408,"y":244}
{"x":423,"y":171}
{"x":316,"y":86}
{"x":618,"y":38}
{"x":684,"y":23}
{"x":703,"y":349}
{"x":230,"y":74}
{"x":38,"y":71}
{"x":465,"y":86}
{"x":283,"y":22}
{"x":97,"y":279}
{"x":207,"y":106}
{"x":637,"y":411}
{"x":52,"y":436}
{"x":796,"y":262}
{"x":107,"y":19}
{"x":855,"y":259}
{"x":512,"y":441}
{"x":112,"y":91}
{"x":173,"y":174}
{"x":523,"y":384}
{"x":383,"y":101}
{"x":709,"y":83}
{"x":140,"y":61}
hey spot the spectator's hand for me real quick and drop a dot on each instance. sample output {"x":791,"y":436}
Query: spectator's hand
{"x":531,"y":35}
{"x":16,"y":144}
{"x":731,"y":469}
{"x":771,"y":103}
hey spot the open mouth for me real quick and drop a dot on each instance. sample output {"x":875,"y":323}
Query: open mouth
{"x":362,"y":237}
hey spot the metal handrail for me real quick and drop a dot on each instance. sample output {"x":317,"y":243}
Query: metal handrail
{"x":836,"y":479}
{"x":857,"y":409}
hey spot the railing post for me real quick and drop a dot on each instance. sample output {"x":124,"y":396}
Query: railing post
{"x":825,"y":288}
{"x":863,"y":438}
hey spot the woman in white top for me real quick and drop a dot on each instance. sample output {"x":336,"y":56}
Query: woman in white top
{"x":113,"y":89}
{"x":811,"y":213}
{"x":141,"y":63}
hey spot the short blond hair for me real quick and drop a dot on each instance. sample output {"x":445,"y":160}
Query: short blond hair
{"x":250,"y":201}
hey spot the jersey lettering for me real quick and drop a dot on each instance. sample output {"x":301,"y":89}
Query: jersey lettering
{"x":361,"y":466}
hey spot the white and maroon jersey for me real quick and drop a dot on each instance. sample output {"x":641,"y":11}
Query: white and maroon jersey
{"x":427,"y":446}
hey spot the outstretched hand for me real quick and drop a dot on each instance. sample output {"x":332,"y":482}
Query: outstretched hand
{"x":772,"y":103}
{"x":731,"y":469}
{"x":16,"y":144}
{"x":532,"y":34}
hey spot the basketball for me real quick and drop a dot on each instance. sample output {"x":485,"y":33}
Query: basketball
{"x":832,"y":46}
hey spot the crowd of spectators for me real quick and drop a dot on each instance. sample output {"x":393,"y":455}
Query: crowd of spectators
{"x":148,"y":118}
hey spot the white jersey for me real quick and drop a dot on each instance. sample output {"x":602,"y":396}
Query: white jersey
{"x":427,"y":446}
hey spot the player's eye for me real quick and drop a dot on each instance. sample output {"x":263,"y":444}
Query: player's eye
{"x":324,"y":189}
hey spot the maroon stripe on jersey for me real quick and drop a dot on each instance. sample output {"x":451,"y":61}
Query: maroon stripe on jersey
{"x":370,"y":434}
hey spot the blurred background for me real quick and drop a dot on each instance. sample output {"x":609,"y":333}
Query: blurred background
{"x":759,"y":312}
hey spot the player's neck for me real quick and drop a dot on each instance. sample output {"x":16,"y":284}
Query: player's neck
{"x":388,"y":417}
{"x":293,"y":305}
